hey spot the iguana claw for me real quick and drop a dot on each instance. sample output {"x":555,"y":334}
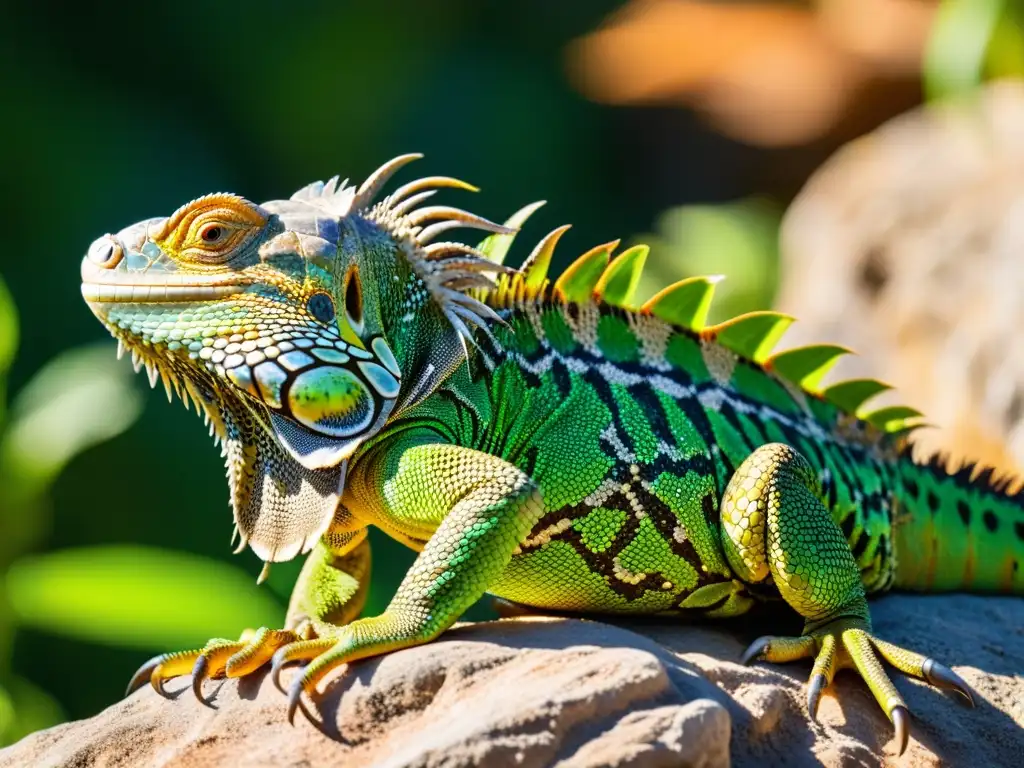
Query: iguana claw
{"x":942,"y":676}
{"x":814,"y":691}
{"x":901,"y":723}
{"x":199,"y":673}
{"x":143,"y":674}
{"x":160,"y":668}
{"x":754,"y":650}
{"x":275,"y":670}
{"x":295,"y":700}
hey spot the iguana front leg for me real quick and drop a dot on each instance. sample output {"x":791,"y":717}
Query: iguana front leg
{"x":471,"y":508}
{"x":775,"y":525}
{"x":329,"y":593}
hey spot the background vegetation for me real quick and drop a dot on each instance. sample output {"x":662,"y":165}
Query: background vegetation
{"x":114,"y":521}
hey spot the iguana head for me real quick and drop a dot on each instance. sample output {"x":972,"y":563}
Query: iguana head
{"x":298,"y":328}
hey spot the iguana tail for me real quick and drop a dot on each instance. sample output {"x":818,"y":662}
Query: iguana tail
{"x":960,"y":531}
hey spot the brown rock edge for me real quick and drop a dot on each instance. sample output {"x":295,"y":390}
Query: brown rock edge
{"x":540,"y":691}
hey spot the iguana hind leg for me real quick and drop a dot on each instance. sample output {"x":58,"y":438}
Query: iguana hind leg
{"x":775,"y":525}
{"x":329,"y":593}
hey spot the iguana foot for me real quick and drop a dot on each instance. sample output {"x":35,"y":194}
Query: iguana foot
{"x":371,"y":636}
{"x":775,"y":525}
{"x":218,"y":658}
{"x":848,"y":643}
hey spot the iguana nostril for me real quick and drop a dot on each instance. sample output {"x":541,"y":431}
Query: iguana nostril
{"x":106,"y":252}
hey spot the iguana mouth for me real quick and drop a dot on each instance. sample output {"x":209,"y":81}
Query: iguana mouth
{"x":105,"y":285}
{"x":136,"y":293}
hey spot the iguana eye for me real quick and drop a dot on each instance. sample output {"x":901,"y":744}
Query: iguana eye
{"x":211,"y":230}
{"x":216,"y":237}
{"x":354,"y":299}
{"x":212,"y":234}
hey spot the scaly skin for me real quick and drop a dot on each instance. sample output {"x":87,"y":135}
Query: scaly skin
{"x":549,"y":444}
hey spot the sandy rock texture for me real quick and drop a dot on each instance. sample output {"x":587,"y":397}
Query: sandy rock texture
{"x":541,"y":691}
{"x":906,"y":246}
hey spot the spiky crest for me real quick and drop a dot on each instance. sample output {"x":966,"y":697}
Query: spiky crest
{"x":450,"y":270}
{"x":752,"y":335}
{"x":1005,"y":484}
{"x":851,"y":394}
{"x":685,"y":303}
{"x":596,"y":276}
{"x":577,"y":283}
{"x":333,"y":197}
{"x":808,"y":365}
{"x":470,"y":284}
{"x":619,"y":281}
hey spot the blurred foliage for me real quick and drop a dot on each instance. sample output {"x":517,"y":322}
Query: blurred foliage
{"x":973,"y":41}
{"x":114,"y":517}
{"x":738,"y":240}
{"x":123,"y":596}
{"x":59,"y":413}
{"x":137,"y":597}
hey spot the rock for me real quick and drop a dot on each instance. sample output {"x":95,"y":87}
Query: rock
{"x":906,"y":247}
{"x":540,"y":691}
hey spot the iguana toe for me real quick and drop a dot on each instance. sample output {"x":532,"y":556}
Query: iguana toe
{"x":162,"y":667}
{"x":848,"y":643}
{"x":779,"y":649}
{"x":258,"y":651}
{"x":217,"y":659}
{"x":302,"y":650}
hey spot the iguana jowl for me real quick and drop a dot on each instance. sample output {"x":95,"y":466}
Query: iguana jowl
{"x":543,"y":441}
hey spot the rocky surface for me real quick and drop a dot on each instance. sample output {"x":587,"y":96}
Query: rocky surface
{"x":538,"y":691}
{"x":906,"y":246}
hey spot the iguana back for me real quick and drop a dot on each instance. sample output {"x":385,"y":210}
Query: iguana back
{"x":633,"y":420}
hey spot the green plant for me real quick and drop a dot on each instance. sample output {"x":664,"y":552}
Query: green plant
{"x":972,"y":41}
{"x":738,"y":240}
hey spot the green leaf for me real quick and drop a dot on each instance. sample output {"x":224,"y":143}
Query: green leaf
{"x":137,"y":597}
{"x":31,"y":710}
{"x":83,"y":397}
{"x":6,"y":717}
{"x":8,"y":328}
{"x":956,"y":51}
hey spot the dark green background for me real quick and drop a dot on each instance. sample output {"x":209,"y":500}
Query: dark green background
{"x":115,"y":111}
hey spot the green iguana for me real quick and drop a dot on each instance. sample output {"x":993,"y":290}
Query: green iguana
{"x":546,"y":442}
